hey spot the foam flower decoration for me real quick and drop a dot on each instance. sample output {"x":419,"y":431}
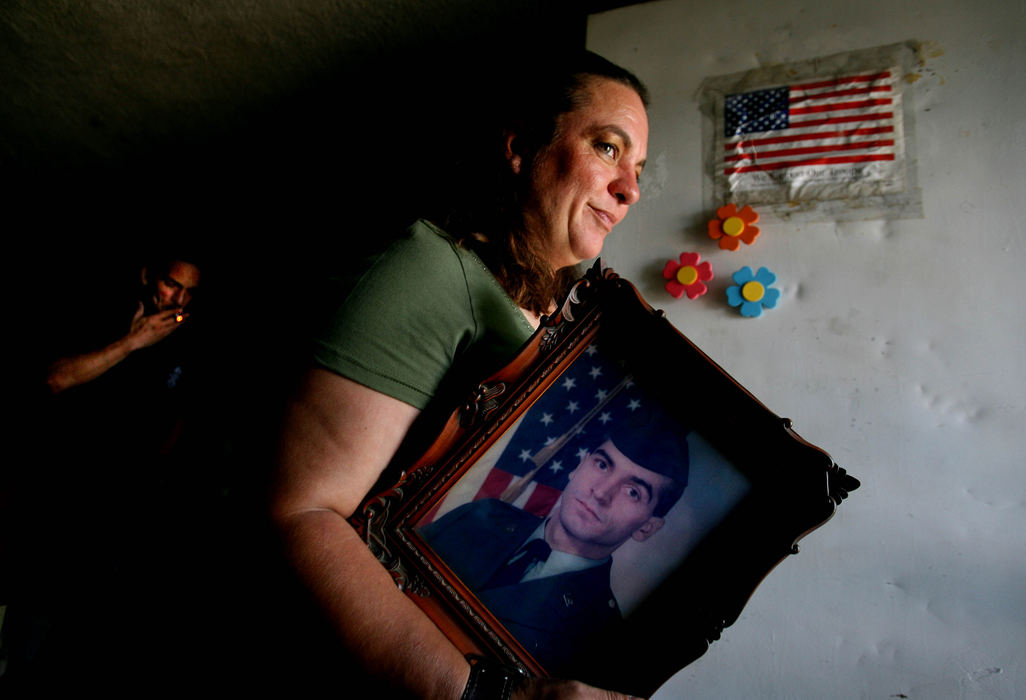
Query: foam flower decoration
{"x":687,"y":276}
{"x":752,"y":292}
{"x":731,"y":226}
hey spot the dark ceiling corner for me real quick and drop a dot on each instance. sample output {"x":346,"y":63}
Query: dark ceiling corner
{"x":279,"y":126}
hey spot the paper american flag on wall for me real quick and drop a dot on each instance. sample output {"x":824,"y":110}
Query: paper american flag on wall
{"x":830,"y":136}
{"x":850,"y":119}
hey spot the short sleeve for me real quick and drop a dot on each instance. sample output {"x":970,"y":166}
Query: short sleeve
{"x":400,"y":324}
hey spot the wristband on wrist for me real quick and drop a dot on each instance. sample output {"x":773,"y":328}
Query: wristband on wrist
{"x":489,"y":680}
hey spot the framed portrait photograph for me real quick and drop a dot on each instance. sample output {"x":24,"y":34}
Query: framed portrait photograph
{"x":609,"y":490}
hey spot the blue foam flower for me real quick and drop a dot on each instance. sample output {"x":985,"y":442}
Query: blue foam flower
{"x":752,"y":292}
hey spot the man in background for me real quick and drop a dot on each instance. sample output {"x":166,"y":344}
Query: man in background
{"x":97,"y":498}
{"x":167,"y":289}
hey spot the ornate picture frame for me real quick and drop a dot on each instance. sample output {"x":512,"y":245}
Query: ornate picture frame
{"x":720,"y":488}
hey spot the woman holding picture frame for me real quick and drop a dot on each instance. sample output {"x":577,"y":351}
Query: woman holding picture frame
{"x":440,"y":308}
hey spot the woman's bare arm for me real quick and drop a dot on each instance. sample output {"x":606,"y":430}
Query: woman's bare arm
{"x":338,"y":437}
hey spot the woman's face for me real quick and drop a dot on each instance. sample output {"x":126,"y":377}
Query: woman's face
{"x":583,"y":182}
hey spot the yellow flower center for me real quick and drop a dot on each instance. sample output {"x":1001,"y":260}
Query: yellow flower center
{"x":733,"y":226}
{"x":753,"y":291}
{"x":687,"y":275}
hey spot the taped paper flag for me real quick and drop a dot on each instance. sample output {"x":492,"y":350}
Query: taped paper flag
{"x":829,"y":137}
{"x":813,"y":124}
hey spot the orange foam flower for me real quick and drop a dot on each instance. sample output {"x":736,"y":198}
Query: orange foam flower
{"x":732,"y":226}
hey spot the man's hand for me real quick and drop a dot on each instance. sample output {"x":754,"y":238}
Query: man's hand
{"x":143,"y":332}
{"x":148,"y":330}
{"x":554,"y":689}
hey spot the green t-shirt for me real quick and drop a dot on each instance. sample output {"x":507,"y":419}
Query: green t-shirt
{"x":423,"y":321}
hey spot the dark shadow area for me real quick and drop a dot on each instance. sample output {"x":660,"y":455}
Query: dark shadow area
{"x":273,"y":199}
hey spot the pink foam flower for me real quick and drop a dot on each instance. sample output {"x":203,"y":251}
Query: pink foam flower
{"x":687,"y":276}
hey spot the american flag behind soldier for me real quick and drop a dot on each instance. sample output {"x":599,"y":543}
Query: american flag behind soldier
{"x":560,"y":429}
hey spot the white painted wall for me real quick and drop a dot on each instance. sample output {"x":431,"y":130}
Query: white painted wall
{"x":898,"y":347}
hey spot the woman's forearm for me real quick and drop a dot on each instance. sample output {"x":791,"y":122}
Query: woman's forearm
{"x":337,"y":438}
{"x":393,"y":639}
